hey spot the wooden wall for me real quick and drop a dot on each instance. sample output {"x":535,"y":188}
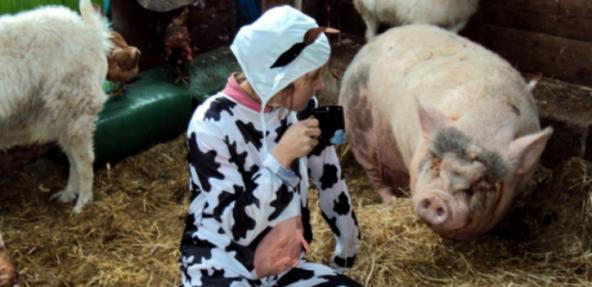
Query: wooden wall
{"x":315,"y":8}
{"x":343,"y":16}
{"x":550,"y":37}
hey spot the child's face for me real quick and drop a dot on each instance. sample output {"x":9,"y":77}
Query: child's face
{"x":304,"y":88}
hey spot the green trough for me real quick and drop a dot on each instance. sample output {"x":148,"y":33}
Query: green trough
{"x":154,"y":109}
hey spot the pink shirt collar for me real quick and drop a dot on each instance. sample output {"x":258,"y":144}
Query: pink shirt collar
{"x":234,"y":90}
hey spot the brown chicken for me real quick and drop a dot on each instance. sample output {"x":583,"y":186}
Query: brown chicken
{"x":177,"y":46}
{"x":123,"y":63}
{"x":8,"y":274}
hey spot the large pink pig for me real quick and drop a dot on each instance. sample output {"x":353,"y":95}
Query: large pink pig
{"x":432,"y":110}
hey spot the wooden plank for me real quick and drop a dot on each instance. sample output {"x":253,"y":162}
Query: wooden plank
{"x":557,"y":57}
{"x":313,"y":8}
{"x":543,"y":16}
{"x":343,"y":16}
{"x":575,"y":8}
{"x":268,"y":4}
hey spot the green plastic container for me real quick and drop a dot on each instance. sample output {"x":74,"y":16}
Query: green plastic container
{"x":210,"y":71}
{"x":154,"y":109}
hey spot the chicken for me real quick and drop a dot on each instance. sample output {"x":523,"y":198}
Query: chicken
{"x":8,"y":274}
{"x":123,"y":62}
{"x":177,"y":46}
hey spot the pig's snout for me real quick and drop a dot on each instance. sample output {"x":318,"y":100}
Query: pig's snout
{"x":433,"y":210}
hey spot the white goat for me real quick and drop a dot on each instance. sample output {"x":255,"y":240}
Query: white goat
{"x":52,"y":65}
{"x":450,"y":14}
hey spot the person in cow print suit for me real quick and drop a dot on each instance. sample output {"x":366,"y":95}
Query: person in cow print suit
{"x":250,"y":158}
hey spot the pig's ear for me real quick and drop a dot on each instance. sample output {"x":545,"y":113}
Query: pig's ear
{"x":430,"y":119}
{"x":525,"y":151}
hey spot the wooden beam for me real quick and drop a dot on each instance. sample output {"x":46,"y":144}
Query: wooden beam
{"x":574,"y":8}
{"x":557,"y":57}
{"x":343,"y":16}
{"x":566,"y":18}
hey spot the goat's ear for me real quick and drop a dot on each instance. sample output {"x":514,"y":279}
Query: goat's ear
{"x":431,"y":120}
{"x":524,"y":152}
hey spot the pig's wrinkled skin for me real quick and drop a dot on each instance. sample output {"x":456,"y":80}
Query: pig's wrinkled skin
{"x":428,"y":109}
{"x":450,"y":14}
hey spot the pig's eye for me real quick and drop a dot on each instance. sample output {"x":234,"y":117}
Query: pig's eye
{"x":436,"y":162}
{"x":470,"y":191}
{"x":484,"y":186}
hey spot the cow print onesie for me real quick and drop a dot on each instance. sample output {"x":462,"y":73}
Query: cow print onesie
{"x":238,"y":195}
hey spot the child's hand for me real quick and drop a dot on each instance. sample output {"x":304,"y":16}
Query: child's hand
{"x":299,"y":140}
{"x":280,"y":249}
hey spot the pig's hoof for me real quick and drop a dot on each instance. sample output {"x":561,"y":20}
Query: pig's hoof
{"x":386,"y":194}
{"x":64,"y":196}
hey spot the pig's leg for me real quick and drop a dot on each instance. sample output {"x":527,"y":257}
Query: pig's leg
{"x":386,"y":193}
{"x":367,"y":159}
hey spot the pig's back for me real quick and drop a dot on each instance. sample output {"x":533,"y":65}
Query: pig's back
{"x":443,"y":70}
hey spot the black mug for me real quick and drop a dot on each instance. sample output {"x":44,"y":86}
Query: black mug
{"x":331,"y":123}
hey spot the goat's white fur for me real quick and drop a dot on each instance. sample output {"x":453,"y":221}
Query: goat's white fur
{"x":52,"y":65}
{"x":450,"y":14}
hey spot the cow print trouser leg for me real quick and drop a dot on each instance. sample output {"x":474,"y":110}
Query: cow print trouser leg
{"x":305,"y":275}
{"x":215,"y":277}
{"x":309,"y":274}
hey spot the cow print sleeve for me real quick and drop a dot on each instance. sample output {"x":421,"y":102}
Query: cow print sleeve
{"x":335,"y":204}
{"x":242,"y":199}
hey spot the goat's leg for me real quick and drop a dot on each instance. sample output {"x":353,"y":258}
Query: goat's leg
{"x":69,"y":193}
{"x":457,"y":27}
{"x":81,"y":156}
{"x":371,"y":27}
